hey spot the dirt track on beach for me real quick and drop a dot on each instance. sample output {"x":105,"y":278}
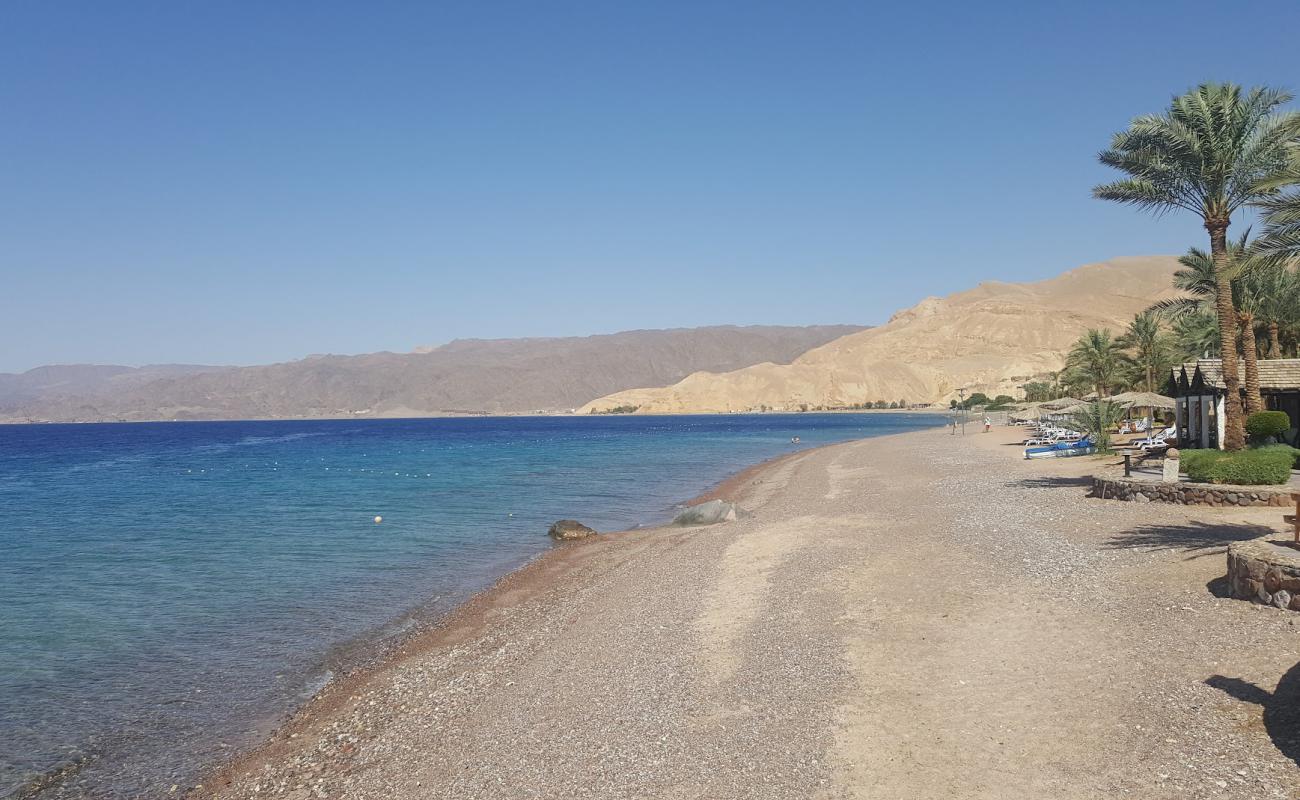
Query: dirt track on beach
{"x":921,"y":616}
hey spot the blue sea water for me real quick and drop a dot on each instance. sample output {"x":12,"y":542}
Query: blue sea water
{"x":168,"y":590}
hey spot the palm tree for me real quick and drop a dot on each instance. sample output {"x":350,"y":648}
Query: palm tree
{"x":1098,"y":359}
{"x":1151,"y":351}
{"x":1282,"y":215}
{"x":1199,"y":278}
{"x":1214,"y":151}
{"x":1196,"y":335}
{"x":1096,"y":419}
{"x":1265,"y":291}
{"x":1272,"y":294}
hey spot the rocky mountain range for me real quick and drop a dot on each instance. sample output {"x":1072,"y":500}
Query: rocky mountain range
{"x":472,"y":376}
{"x":993,"y":338}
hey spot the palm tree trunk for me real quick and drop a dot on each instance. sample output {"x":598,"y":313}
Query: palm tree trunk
{"x":1234,"y":436}
{"x":1274,"y":334}
{"x":1250,"y":351}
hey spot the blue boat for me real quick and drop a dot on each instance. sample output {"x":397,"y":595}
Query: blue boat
{"x":1083,"y":447}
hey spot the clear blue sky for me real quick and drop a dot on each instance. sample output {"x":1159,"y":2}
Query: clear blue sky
{"x":248,"y":182}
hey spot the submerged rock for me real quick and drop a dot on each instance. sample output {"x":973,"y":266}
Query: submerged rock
{"x":569,"y":529}
{"x":710,"y":513}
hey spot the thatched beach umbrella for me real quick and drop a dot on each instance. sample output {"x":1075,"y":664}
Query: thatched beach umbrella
{"x":1081,"y":405}
{"x":1148,"y":400}
{"x":1026,"y":411}
{"x":1145,"y":400}
{"x":1061,"y":402}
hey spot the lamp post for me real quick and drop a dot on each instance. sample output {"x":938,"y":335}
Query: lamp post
{"x":961,"y":409}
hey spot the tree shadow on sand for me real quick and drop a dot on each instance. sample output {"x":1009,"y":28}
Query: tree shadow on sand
{"x":1052,"y":483}
{"x":1196,"y":538}
{"x":1281,"y":707}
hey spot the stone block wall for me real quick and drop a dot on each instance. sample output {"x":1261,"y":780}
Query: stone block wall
{"x":1265,"y":572}
{"x":1199,"y":494}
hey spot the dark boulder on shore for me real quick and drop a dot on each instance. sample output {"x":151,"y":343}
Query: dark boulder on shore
{"x":567,"y":530}
{"x":710,"y":513}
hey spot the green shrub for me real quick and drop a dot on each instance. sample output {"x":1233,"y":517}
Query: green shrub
{"x":1262,"y":466}
{"x":1265,"y":426}
{"x":616,"y":410}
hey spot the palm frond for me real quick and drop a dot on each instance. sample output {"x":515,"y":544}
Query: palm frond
{"x":1096,"y":419}
{"x":1213,"y":151}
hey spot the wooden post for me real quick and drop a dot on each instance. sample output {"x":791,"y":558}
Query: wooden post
{"x":1294,"y":519}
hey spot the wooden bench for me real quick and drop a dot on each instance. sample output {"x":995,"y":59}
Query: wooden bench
{"x":1294,"y":519}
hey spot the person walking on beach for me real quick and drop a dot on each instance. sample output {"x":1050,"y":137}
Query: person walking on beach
{"x":988,"y":424}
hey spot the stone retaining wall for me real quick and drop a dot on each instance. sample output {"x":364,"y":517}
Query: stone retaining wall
{"x":1266,"y":572}
{"x":1189,"y":494}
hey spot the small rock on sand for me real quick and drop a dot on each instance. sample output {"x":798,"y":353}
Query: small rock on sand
{"x":567,"y":530}
{"x":710,"y":513}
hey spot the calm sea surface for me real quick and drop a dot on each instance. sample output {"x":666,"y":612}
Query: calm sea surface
{"x":168,"y":589}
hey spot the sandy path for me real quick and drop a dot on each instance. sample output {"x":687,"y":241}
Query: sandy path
{"x":916,"y":616}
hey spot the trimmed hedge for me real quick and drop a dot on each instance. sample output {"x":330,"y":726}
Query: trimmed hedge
{"x":1262,"y":466}
{"x":1265,"y":426}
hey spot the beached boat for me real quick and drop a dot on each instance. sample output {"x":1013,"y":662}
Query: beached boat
{"x":1083,"y":447}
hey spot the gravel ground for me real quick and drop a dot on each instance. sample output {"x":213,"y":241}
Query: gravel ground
{"x":912,"y":616}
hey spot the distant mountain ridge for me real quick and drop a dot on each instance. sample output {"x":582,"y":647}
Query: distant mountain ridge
{"x":467,"y":376}
{"x":992,"y":338}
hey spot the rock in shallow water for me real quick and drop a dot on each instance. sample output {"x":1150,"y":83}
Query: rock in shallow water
{"x":567,"y":530}
{"x":710,"y":513}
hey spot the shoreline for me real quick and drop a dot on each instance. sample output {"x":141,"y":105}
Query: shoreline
{"x":381,"y":657}
{"x":347,"y":661}
{"x":9,"y":422}
{"x":903,"y":615}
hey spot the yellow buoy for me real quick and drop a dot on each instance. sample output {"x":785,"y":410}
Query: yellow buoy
{"x":378,"y":520}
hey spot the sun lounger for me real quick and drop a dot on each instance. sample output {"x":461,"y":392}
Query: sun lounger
{"x":1153,"y":442}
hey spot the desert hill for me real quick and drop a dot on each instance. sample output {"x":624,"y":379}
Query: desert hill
{"x":992,"y":338}
{"x":464,"y":376}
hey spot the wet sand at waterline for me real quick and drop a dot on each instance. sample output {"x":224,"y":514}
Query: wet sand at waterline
{"x":919,"y":615}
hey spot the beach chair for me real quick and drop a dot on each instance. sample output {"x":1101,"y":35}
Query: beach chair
{"x":1045,"y":438}
{"x":1154,"y":442}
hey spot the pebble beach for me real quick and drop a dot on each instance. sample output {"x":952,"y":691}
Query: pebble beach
{"x":917,"y":615}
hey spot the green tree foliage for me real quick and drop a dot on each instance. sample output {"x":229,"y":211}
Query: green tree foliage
{"x":1262,"y":294}
{"x":1196,"y":335}
{"x":1265,"y":426}
{"x":1214,"y":151}
{"x":1281,"y":234}
{"x":1038,"y":391}
{"x":1096,"y":419}
{"x":1098,"y":361}
{"x":1270,"y":294}
{"x":1151,"y":349}
{"x":616,"y":410}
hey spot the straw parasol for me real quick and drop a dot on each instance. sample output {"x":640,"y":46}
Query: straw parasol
{"x":1145,"y":400}
{"x":1026,"y":411}
{"x":1062,"y":402}
{"x":1079,"y":406}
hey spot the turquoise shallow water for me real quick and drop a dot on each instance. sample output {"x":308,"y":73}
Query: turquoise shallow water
{"x":169,"y":589}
